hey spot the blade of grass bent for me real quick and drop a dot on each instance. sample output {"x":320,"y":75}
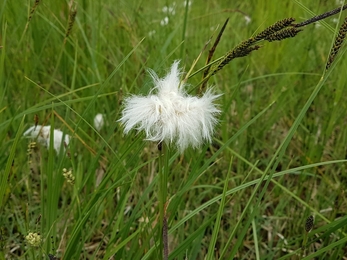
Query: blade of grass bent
{"x":326,"y":248}
{"x":188,"y":241}
{"x":211,"y":251}
{"x":9,"y":164}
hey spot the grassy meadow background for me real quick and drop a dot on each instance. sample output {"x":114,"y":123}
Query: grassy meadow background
{"x":277,"y":157}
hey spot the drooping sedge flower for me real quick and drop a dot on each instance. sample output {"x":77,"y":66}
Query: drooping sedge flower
{"x":33,"y":9}
{"x":283,"y":34}
{"x":72,"y":17}
{"x":309,"y":223}
{"x":276,"y":27}
{"x":337,"y":44}
{"x":171,"y":115}
{"x":276,"y":32}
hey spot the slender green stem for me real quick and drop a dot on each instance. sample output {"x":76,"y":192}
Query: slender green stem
{"x":163,"y":180}
{"x":217,"y":225}
{"x":184,"y":29}
{"x":161,"y":197}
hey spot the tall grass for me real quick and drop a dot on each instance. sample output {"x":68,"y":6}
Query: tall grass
{"x":278,"y":155}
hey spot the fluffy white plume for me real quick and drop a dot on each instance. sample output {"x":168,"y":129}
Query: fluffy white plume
{"x":99,"y":121}
{"x":42,"y":133}
{"x":171,"y":114}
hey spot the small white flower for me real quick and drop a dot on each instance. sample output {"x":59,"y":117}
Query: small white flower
{"x":317,"y":25}
{"x":172,"y":10}
{"x":99,"y":121}
{"x":247,"y":19}
{"x":164,"y":9}
{"x":189,"y":3}
{"x":165,"y":21}
{"x":169,"y":9}
{"x":335,"y":20}
{"x":42,"y":133}
{"x":151,"y":33}
{"x":171,"y":114}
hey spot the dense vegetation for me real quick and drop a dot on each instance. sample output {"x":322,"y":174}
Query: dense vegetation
{"x":277,"y":159}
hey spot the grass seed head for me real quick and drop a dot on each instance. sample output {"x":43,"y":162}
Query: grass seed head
{"x":337,"y":44}
{"x":278,"y":26}
{"x":309,"y":223}
{"x":33,"y":9}
{"x":72,"y":17}
{"x":42,"y":135}
{"x":283,"y":34}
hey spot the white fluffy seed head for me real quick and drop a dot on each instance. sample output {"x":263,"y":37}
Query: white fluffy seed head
{"x":171,"y":115}
{"x":42,"y":133}
{"x":99,"y":121}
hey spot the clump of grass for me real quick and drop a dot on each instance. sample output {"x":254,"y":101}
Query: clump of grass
{"x":256,"y":172}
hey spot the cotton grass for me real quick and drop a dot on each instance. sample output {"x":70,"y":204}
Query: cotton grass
{"x":42,"y":133}
{"x":168,"y":114}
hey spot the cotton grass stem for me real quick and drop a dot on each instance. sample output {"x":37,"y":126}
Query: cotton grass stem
{"x":163,"y":181}
{"x":165,"y":238}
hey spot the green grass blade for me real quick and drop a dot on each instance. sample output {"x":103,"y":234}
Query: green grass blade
{"x":4,"y":188}
{"x":217,"y":227}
